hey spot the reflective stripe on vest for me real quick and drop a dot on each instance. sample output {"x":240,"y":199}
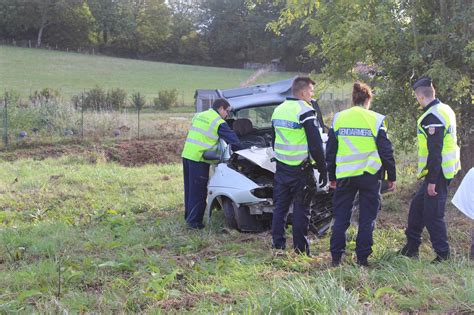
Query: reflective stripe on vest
{"x":202,"y":135}
{"x":356,"y":130}
{"x":450,"y":153}
{"x":291,"y":145}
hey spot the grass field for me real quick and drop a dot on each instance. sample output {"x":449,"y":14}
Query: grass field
{"x":77,"y":237}
{"x":81,"y":234}
{"x":26,"y":70}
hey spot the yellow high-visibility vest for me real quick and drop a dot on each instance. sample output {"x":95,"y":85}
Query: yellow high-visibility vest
{"x":451,"y":162}
{"x":291,"y":145}
{"x":202,"y":135}
{"x":356,"y":130}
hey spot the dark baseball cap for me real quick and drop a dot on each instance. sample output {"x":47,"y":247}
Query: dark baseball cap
{"x":422,"y":81}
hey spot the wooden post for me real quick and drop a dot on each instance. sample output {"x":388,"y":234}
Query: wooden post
{"x":5,"y":121}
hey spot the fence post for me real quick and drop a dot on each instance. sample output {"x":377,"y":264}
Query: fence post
{"x":82,"y":114}
{"x":5,"y":121}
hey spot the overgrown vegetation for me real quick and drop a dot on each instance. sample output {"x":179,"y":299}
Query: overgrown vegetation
{"x":81,"y":237}
{"x":401,"y":41}
{"x":45,"y":112}
{"x":166,"y":99}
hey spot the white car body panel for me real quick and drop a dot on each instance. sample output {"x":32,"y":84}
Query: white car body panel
{"x":231,"y":184}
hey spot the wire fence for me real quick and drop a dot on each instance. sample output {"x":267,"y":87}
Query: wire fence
{"x":52,"y":121}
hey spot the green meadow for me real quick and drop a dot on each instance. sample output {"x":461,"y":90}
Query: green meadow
{"x":95,"y":237}
{"x":26,"y":70}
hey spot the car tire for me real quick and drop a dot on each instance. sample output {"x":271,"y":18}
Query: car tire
{"x":229,"y":213}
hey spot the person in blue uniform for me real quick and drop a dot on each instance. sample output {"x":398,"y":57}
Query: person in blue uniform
{"x":298,"y":148}
{"x":438,"y":163}
{"x":357,"y":151}
{"x":207,"y":127}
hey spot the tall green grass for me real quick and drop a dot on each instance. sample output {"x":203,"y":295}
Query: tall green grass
{"x":79,"y":237}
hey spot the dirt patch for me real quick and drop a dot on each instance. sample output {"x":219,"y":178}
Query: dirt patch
{"x":127,"y":153}
{"x":42,"y":152}
{"x":136,"y":153}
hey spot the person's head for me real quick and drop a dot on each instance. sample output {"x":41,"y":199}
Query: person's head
{"x":361,"y":94}
{"x":222,"y":107}
{"x":303,"y":88}
{"x":424,"y":91}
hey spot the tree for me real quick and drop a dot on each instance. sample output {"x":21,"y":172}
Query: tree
{"x":62,"y":20}
{"x":107,"y":16}
{"x":138,"y":101}
{"x":44,"y":13}
{"x":73,"y":28}
{"x":145,"y":28}
{"x":185,"y":43}
{"x":404,"y":39}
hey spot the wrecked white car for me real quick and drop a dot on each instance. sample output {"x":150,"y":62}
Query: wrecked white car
{"x":241,"y":183}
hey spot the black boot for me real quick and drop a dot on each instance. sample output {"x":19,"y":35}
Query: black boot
{"x":440,"y":257}
{"x":336,"y":261}
{"x":408,"y":252}
{"x":362,"y":261}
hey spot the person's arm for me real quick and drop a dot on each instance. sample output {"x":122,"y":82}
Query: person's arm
{"x":315,"y":143}
{"x":229,"y":136}
{"x":385,"y":150}
{"x":331,"y":152}
{"x":273,"y":137}
{"x":434,"y":130}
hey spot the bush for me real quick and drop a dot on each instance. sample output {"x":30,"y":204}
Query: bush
{"x":138,"y":101}
{"x":95,"y":99}
{"x":45,"y":95}
{"x":49,"y":116}
{"x":12,"y":97}
{"x":77,"y":100}
{"x":116,"y":99}
{"x":166,"y":99}
{"x":98,"y":99}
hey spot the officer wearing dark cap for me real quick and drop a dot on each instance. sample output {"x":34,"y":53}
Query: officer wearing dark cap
{"x":438,"y":163}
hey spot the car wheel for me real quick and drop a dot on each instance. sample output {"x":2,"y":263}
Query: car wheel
{"x":229,"y":213}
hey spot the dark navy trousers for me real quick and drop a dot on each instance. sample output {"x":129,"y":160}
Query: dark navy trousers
{"x":429,"y":211}
{"x":368,"y":187}
{"x":196,"y":176}
{"x":291,"y":184}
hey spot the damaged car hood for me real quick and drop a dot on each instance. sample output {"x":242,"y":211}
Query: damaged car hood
{"x":260,"y":156}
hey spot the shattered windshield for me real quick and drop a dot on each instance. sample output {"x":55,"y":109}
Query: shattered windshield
{"x":261,"y":117}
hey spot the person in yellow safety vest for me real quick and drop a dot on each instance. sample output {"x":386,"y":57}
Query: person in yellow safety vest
{"x":298,"y":148}
{"x":357,"y":149}
{"x":438,"y":163}
{"x":207,"y":127}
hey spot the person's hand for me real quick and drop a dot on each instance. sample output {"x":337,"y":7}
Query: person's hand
{"x":431,"y":190}
{"x":323,"y":179}
{"x":332,"y":184}
{"x":391,"y":185}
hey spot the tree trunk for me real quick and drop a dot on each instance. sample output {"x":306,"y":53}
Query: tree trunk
{"x":105,"y":36}
{"x":40,"y":35}
{"x":138,"y":124}
{"x":44,"y":22}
